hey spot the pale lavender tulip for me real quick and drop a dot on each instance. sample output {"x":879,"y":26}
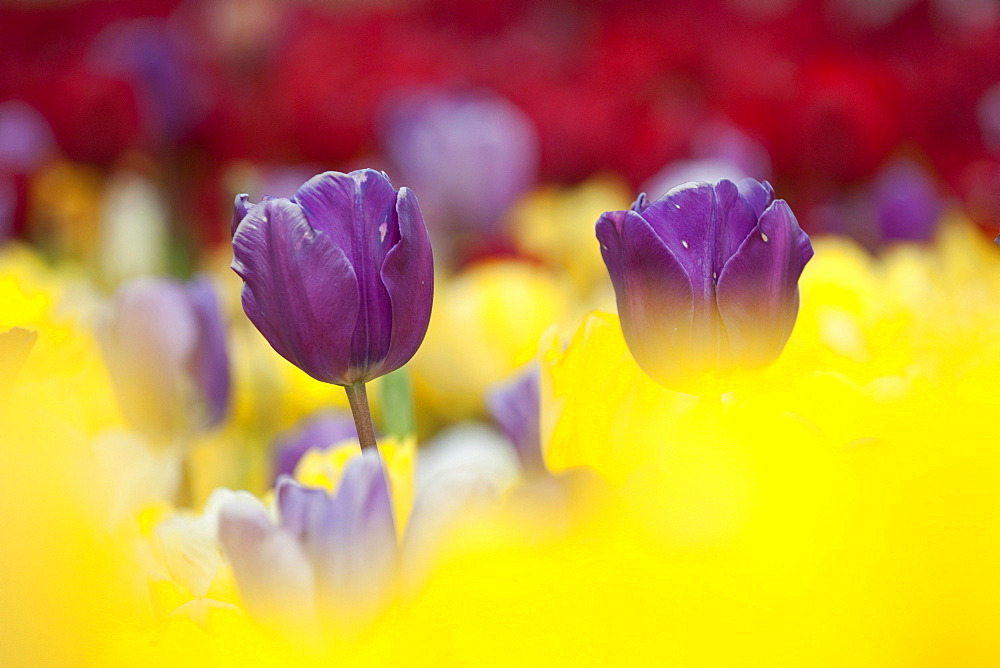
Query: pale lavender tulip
{"x":350,"y":537}
{"x":470,"y":155}
{"x":338,"y":552}
{"x":165,"y":349}
{"x":271,"y":568}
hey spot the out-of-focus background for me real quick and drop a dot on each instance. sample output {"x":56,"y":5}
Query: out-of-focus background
{"x":839,"y":509}
{"x":177,"y":105}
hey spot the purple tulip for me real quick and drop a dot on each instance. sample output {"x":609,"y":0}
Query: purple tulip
{"x":339,"y":278}
{"x":706,"y":279}
{"x":165,"y":348}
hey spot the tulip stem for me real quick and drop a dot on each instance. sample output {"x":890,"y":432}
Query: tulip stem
{"x":357,"y":395}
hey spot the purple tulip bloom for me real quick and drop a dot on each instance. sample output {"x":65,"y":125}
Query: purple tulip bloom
{"x":339,"y":279}
{"x":164,"y":345}
{"x":706,"y":279}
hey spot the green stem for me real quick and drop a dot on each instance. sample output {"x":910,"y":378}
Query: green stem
{"x":357,"y":395}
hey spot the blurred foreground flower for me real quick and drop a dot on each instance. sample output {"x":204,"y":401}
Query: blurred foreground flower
{"x":706,"y":279}
{"x":325,"y":561}
{"x":330,"y":554}
{"x":339,"y":279}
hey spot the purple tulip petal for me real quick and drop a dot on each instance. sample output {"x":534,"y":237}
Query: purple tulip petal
{"x":641,"y":203}
{"x":358,"y":210}
{"x":687,"y":222}
{"x":738,"y":217}
{"x":759,"y":194}
{"x":302,"y":510}
{"x":683,"y":220}
{"x":408,"y":276}
{"x":515,"y":407}
{"x":654,"y":295}
{"x":241,"y":206}
{"x":210,"y":361}
{"x":702,"y":225}
{"x":758,"y":292}
{"x":299,"y":289}
{"x":353,"y":542}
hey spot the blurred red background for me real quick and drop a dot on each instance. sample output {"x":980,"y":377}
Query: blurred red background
{"x":832,"y":89}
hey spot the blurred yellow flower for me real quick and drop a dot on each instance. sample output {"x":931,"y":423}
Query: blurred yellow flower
{"x":486,"y":322}
{"x":557,"y":225}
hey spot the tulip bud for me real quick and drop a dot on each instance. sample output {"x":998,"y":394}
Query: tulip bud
{"x":706,"y":279}
{"x":339,"y":278}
